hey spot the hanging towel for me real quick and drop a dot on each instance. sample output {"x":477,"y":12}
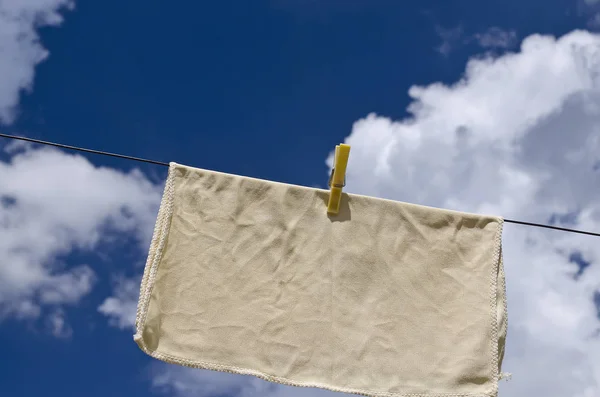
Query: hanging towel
{"x":386,"y":298}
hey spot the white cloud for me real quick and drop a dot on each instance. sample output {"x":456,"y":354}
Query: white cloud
{"x":496,"y":38}
{"x":518,"y":136}
{"x":52,"y":203}
{"x":20,"y":48}
{"x":121,"y":309}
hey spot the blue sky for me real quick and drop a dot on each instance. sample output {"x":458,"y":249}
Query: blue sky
{"x":478,"y":106}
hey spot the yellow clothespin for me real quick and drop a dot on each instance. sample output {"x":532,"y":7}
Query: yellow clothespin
{"x":337,"y":180}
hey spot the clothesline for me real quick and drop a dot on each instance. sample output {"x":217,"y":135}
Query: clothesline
{"x":22,"y":138}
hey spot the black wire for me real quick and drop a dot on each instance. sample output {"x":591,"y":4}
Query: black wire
{"x":22,"y":138}
{"x":553,"y":227}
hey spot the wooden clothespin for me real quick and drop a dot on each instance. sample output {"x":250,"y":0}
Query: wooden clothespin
{"x":337,"y":179}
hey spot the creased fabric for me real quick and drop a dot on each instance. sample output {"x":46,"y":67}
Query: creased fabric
{"x":384,"y":299}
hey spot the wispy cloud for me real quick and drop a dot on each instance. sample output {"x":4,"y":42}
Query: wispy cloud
{"x":58,"y":324}
{"x":121,"y":308}
{"x":497,"y":38}
{"x":450,"y":39}
{"x":589,"y":9}
{"x":492,"y":38}
{"x":20,"y":48}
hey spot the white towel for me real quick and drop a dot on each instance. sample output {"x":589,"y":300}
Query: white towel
{"x":384,"y":299}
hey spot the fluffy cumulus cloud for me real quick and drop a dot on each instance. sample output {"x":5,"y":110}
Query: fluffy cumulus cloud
{"x":20,"y":48}
{"x":51,"y":204}
{"x":517,"y":136}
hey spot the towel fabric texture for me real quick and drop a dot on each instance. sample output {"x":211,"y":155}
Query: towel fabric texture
{"x":386,"y":298}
